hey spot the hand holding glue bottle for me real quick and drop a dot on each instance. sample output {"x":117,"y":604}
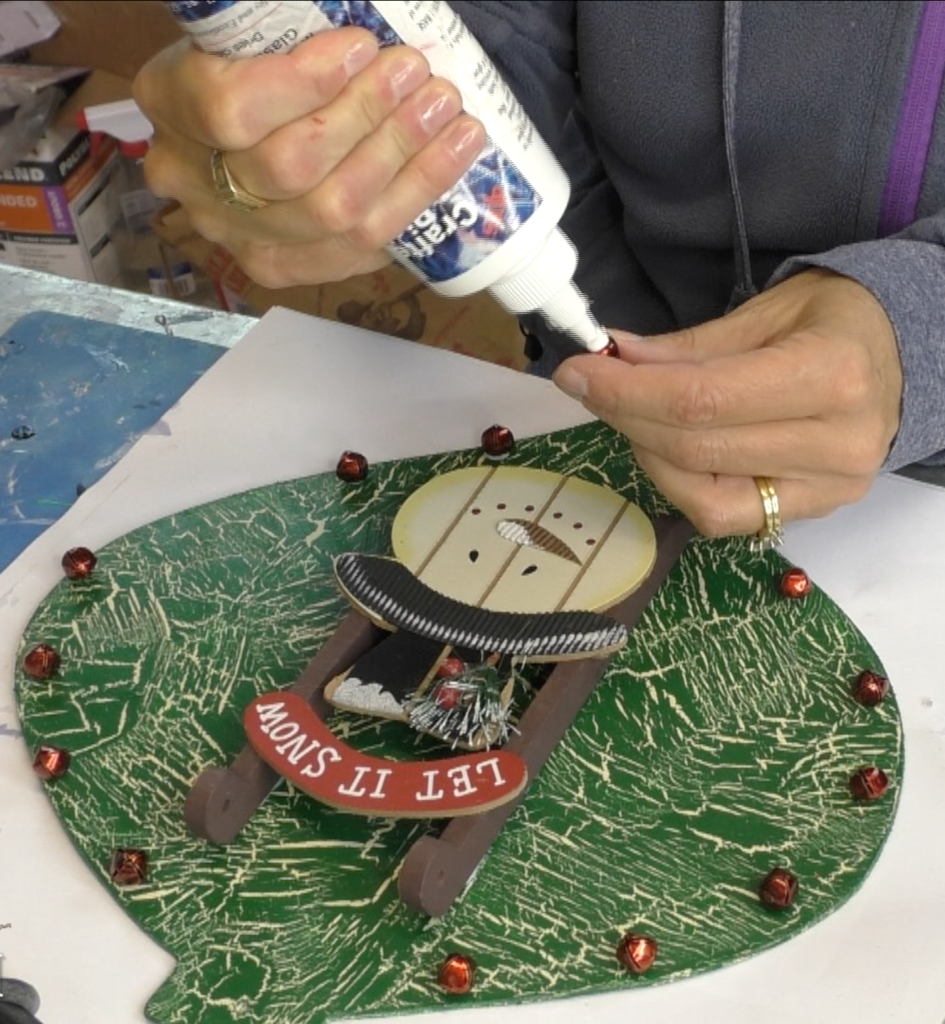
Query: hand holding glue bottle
{"x":497,"y":228}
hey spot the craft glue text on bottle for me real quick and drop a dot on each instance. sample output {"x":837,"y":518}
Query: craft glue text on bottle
{"x":497,"y":228}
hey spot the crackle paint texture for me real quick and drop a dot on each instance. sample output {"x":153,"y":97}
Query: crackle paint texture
{"x":717,"y":746}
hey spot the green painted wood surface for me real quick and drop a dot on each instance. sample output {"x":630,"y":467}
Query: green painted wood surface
{"x":718,"y":746}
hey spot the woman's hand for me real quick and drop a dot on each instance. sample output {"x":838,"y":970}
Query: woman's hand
{"x":802,"y":384}
{"x":347,"y":142}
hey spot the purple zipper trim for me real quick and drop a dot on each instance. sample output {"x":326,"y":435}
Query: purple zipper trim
{"x":916,"y":120}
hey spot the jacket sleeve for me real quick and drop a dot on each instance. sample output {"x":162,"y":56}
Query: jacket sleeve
{"x":906,"y":273}
{"x":532,"y":44}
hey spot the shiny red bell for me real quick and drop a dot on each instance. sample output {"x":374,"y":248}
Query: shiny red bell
{"x":497,"y":441}
{"x":447,"y":696}
{"x":457,"y":974}
{"x":78,"y":563}
{"x":41,"y":662}
{"x":610,"y":349}
{"x":51,"y":762}
{"x":795,"y":584}
{"x":870,"y":688}
{"x":128,"y":866}
{"x":637,"y":952}
{"x":352,"y":467}
{"x":868,"y":783}
{"x":778,"y":889}
{"x":450,"y":667}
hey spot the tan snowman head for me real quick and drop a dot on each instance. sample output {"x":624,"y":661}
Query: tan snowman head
{"x":524,"y":540}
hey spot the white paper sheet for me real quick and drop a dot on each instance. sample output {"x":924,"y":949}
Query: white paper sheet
{"x":283,"y":404}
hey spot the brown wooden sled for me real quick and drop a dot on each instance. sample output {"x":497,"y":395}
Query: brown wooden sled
{"x":436,"y":869}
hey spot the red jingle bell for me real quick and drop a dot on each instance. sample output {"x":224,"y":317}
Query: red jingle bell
{"x":868,"y":783}
{"x":637,"y":952}
{"x":448,"y":696}
{"x":610,"y":349}
{"x":497,"y":441}
{"x":77,"y":563}
{"x":870,"y":688}
{"x":451,"y":667}
{"x":778,"y":889}
{"x":41,"y":662}
{"x":795,"y":584}
{"x":128,"y":866}
{"x":51,"y":762}
{"x":457,"y":974}
{"x":352,"y":467}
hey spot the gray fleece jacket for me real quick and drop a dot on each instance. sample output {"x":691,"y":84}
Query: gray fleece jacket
{"x":715,"y":148}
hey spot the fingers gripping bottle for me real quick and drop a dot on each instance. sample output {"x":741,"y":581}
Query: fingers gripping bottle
{"x":497,"y":228}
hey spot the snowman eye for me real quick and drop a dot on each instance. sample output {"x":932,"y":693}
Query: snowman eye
{"x":529,"y":570}
{"x":473,"y":555}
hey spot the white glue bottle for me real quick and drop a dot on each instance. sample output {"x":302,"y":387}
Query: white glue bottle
{"x":497,"y":228}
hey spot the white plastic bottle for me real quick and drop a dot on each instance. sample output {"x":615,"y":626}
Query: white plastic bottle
{"x":148,"y":263}
{"x":497,"y":229}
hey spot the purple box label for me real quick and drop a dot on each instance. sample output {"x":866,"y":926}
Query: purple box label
{"x":58,"y":207}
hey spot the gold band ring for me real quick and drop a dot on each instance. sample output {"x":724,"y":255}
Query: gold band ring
{"x":771,"y":535}
{"x":227,"y":188}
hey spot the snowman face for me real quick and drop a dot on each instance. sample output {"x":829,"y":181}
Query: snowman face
{"x":524,"y":540}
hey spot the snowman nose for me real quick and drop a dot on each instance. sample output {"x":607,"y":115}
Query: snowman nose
{"x":529,"y":534}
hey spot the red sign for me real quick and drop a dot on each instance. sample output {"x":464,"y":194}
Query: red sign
{"x":291,"y":738}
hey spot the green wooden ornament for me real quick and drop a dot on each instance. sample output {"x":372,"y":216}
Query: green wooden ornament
{"x":718,"y":746}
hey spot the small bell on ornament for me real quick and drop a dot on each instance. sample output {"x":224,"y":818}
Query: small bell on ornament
{"x":497,"y":441}
{"x":78,"y":563}
{"x":637,"y":952}
{"x":352,"y":467}
{"x":42,"y":662}
{"x":457,"y":974}
{"x":870,"y":688}
{"x":778,"y":889}
{"x":868,"y":784}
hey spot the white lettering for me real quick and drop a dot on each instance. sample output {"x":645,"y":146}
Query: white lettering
{"x":29,"y":202}
{"x":271,"y":714}
{"x":295,"y":750}
{"x":283,"y":731}
{"x":464,"y":213}
{"x":425,"y":220}
{"x":430,"y":794}
{"x":324,"y":755}
{"x":437,"y":234}
{"x":493,"y":763}
{"x":75,"y":157}
{"x":462,"y":784}
{"x":382,"y":774}
{"x":28,"y":174}
{"x":354,"y":788}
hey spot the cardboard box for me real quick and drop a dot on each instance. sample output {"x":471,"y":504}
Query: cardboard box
{"x":390,"y":301}
{"x":58,"y":207}
{"x":115,"y":37}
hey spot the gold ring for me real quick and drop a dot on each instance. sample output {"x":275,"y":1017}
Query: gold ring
{"x":771,"y":535}
{"x":228,"y":190}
